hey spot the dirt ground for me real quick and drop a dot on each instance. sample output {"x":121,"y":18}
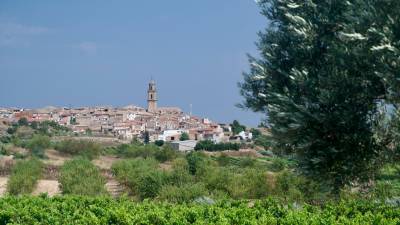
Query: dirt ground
{"x":3,"y":185}
{"x":51,"y":187}
{"x":55,"y":158}
{"x":105,"y":162}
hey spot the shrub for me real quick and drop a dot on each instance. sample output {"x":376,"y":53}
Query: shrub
{"x":217,"y":178}
{"x":5,"y":139}
{"x":287,"y":186}
{"x":278,"y":164}
{"x":195,"y":161}
{"x":181,"y":194}
{"x":383,"y":190}
{"x":263,"y":141}
{"x":223,"y":160}
{"x":180,"y":173}
{"x":166,"y":153}
{"x":210,"y":146}
{"x":184,"y":136}
{"x":86,"y":149}
{"x":247,"y":162}
{"x":24,"y":176}
{"x":37,"y":144}
{"x":130,"y":173}
{"x":149,"y":184}
{"x":81,"y":177}
{"x":137,"y":150}
{"x":159,"y":143}
{"x":250,"y":184}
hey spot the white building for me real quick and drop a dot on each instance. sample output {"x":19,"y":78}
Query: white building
{"x":171,"y":135}
{"x":184,"y":146}
{"x":245,"y":135}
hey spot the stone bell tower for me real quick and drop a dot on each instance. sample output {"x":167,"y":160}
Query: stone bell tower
{"x":152,"y":97}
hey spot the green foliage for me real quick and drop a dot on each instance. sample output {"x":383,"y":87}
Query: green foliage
{"x":223,"y":160}
{"x":80,"y":177}
{"x":159,"y":143}
{"x":136,"y":150}
{"x":255,"y":132}
{"x":149,"y":184}
{"x":11,"y":130}
{"x":237,"y":127}
{"x":166,"y":153}
{"x":88,"y":132}
{"x":104,"y":210}
{"x":287,"y":184}
{"x":146,"y":137}
{"x":5,"y":139}
{"x":211,"y":146}
{"x":184,"y":136}
{"x":322,"y":70}
{"x":278,"y":164}
{"x":263,"y":141}
{"x":183,"y":193}
{"x":136,"y":174}
{"x":250,"y":184}
{"x":87,"y":149}
{"x":24,"y":177}
{"x":38,"y":141}
{"x":195,"y":161}
{"x":180,"y":174}
{"x":23,"y":122}
{"x":37,"y":144}
{"x":72,"y":121}
{"x":49,"y":128}
{"x":247,"y":162}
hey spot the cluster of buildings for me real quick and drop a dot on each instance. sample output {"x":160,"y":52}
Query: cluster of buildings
{"x":160,"y":123}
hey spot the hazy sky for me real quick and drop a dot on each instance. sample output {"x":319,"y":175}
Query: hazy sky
{"x":85,"y":53}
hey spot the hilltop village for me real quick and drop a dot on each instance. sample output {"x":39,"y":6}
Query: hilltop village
{"x":127,"y":123}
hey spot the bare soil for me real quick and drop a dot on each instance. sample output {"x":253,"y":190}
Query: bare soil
{"x":51,"y":187}
{"x":55,"y":158}
{"x":3,"y":185}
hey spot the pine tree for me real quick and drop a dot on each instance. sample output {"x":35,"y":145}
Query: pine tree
{"x":323,"y":69}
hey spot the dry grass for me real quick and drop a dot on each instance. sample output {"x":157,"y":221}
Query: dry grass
{"x":6,"y":163}
{"x":166,"y":166}
{"x":241,"y":153}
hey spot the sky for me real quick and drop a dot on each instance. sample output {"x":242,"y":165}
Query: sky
{"x":88,"y":53}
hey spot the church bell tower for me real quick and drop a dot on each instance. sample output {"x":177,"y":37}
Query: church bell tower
{"x":152,"y":97}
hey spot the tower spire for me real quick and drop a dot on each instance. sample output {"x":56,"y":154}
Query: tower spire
{"x":152,"y":97}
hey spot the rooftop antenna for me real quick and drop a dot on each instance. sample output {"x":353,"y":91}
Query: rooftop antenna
{"x":191,"y":108}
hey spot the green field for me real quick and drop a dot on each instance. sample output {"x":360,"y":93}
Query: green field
{"x":103,"y":210}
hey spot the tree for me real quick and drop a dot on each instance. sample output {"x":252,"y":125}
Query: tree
{"x":23,"y":122}
{"x":256,"y":132}
{"x":159,"y":143}
{"x":323,"y":68}
{"x":146,"y":137}
{"x":184,"y":136}
{"x":237,"y":127}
